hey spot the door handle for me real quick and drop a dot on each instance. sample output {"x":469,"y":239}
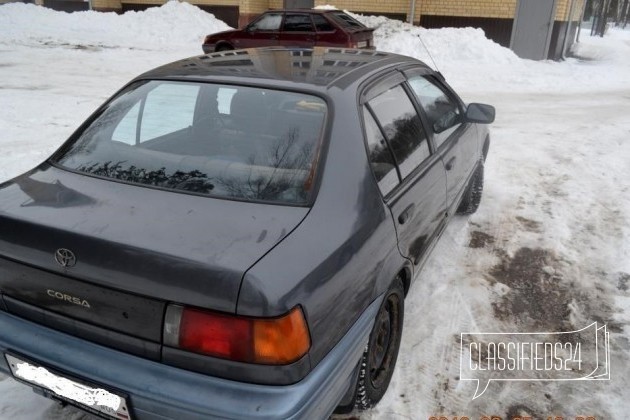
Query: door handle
{"x":450,"y":163}
{"x":406,"y":214}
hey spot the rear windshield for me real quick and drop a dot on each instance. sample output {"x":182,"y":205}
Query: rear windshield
{"x":346,"y":21}
{"x":218,"y":140}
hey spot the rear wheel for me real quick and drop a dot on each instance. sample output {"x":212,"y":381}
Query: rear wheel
{"x":379,"y":358}
{"x":472,"y":196}
{"x":224,"y":47}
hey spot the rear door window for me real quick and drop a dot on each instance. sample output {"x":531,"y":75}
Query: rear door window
{"x":403,"y":128}
{"x":294,"y":22}
{"x":380,"y":155}
{"x":322,"y":24}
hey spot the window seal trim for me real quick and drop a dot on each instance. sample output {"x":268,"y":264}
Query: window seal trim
{"x":139,"y":120}
{"x":387,"y":142}
{"x":447,"y":91}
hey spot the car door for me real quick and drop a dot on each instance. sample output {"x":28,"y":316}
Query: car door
{"x":297,"y":31}
{"x":326,"y":33}
{"x":263,"y":32}
{"x":455,"y":140}
{"x":411,"y":178}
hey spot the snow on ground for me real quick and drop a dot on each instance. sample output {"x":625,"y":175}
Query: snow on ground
{"x":555,"y":213}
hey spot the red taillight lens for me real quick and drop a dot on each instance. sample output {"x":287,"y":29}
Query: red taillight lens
{"x":281,"y":340}
{"x":215,"y":334}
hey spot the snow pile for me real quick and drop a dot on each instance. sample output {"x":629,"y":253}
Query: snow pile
{"x":615,"y":47}
{"x":171,"y":25}
{"x":326,"y":7}
{"x":445,"y":44}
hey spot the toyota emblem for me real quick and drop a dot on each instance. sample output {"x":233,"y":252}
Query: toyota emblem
{"x":65,"y":257}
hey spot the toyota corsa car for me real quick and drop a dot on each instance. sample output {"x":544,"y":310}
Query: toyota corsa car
{"x":302,"y":28}
{"x":233,"y":235}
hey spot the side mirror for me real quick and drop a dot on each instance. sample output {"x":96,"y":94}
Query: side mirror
{"x":480,"y":113}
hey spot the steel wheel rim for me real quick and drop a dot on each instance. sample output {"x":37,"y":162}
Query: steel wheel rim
{"x":383,"y":342}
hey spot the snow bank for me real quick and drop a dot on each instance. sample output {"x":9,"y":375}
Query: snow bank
{"x":445,"y":44}
{"x":169,"y":26}
{"x":614,"y":47}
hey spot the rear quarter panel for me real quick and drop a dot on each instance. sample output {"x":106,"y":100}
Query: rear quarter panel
{"x":342,"y":256}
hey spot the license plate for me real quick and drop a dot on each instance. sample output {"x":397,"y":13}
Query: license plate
{"x":89,"y":397}
{"x":362,"y":44}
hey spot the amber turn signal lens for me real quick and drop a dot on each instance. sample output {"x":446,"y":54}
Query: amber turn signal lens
{"x":281,"y":340}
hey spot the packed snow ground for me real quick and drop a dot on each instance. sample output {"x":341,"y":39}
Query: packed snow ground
{"x":556,"y":204}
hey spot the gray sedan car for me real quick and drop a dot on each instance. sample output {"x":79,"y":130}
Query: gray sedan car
{"x":233,"y":235}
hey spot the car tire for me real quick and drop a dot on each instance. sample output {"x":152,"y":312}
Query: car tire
{"x":224,"y":47}
{"x":379,"y":358}
{"x":472,"y":196}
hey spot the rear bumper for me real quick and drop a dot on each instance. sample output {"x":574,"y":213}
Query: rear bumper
{"x":158,"y":391}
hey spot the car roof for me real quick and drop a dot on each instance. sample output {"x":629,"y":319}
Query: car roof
{"x":317,"y":68}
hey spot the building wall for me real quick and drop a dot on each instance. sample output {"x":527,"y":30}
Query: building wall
{"x":108,"y":5}
{"x":495,"y":17}
{"x":459,"y":8}
{"x":501,"y":9}
{"x":369,"y":6}
{"x":247,"y":9}
{"x":565,"y":27}
{"x":564,"y":8}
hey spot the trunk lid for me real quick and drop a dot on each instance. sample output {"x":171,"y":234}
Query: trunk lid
{"x":135,"y":248}
{"x":361,"y":37}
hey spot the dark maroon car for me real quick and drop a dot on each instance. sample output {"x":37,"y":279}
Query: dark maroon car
{"x":304,"y":28}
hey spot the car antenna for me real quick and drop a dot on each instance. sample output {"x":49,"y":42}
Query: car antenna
{"x":430,"y":56}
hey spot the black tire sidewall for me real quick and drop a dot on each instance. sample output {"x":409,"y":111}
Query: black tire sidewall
{"x":224,"y":47}
{"x":367,"y":394}
{"x":472,"y":197}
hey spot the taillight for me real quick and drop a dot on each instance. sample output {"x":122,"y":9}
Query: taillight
{"x":275,"y":341}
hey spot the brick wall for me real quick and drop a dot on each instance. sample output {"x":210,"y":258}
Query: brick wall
{"x":376,"y":6}
{"x":460,"y":8}
{"x":251,"y":6}
{"x":466,"y":8}
{"x":563,"y":9}
{"x":107,"y":5}
{"x":501,"y":9}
